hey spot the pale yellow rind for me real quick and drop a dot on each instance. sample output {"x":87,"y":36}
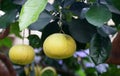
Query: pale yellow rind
{"x":59,"y":46}
{"x":21,"y":54}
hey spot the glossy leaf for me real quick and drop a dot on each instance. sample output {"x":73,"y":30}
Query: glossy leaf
{"x":112,"y":8}
{"x":7,"y":18}
{"x":81,"y":30}
{"x":77,"y":7}
{"x":30,"y":12}
{"x":100,"y":48}
{"x":98,"y":15}
{"x":80,"y":46}
{"x":42,"y":21}
{"x":106,"y":30}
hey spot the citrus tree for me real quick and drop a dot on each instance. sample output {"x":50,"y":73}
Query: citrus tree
{"x":70,"y":28}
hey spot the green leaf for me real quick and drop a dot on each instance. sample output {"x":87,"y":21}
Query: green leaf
{"x":116,"y":18}
{"x":7,"y":18}
{"x":98,"y":15}
{"x":77,"y":7}
{"x":80,"y":72}
{"x":6,"y":42}
{"x":14,"y":29}
{"x":30,"y":12}
{"x":111,"y":7}
{"x":106,"y":30}
{"x":48,"y":73}
{"x":100,"y":48}
{"x":7,"y":5}
{"x":67,"y":14}
{"x":81,"y":30}
{"x":91,"y":71}
{"x":42,"y":21}
{"x":112,"y":71}
{"x":71,"y":63}
{"x":34,"y":41}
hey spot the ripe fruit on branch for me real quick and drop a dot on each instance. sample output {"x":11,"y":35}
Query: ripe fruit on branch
{"x":59,"y":46}
{"x":21,"y":54}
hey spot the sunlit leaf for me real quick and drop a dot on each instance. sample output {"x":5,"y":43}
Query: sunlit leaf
{"x":30,"y":12}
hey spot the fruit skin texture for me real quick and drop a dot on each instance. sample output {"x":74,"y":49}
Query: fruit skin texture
{"x":21,"y":54}
{"x":59,"y":46}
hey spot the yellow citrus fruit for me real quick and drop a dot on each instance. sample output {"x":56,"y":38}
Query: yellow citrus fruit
{"x":59,"y":46}
{"x":21,"y":54}
{"x":48,"y":71}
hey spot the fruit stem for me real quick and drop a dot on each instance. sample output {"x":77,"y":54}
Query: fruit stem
{"x":60,"y":19}
{"x":23,"y":37}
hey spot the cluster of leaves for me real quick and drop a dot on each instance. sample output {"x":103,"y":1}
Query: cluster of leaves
{"x":86,"y":21}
